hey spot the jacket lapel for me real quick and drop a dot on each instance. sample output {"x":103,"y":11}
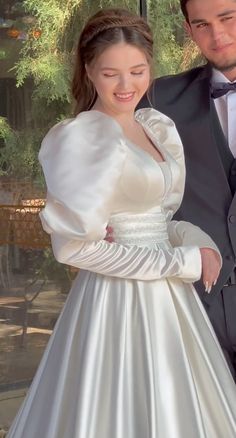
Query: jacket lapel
{"x":221,"y":142}
{"x":199,"y":118}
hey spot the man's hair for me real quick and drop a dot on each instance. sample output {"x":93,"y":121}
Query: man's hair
{"x":183,"y":4}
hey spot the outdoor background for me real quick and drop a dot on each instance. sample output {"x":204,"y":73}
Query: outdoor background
{"x":37,"y":43}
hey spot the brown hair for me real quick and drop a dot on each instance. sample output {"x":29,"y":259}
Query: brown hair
{"x":107,"y":27}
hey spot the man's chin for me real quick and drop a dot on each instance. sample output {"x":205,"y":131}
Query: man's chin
{"x":226,"y":67}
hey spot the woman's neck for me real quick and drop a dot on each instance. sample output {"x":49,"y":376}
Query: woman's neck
{"x":125,"y":119}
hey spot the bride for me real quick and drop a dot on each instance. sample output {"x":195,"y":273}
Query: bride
{"x":133,"y":354}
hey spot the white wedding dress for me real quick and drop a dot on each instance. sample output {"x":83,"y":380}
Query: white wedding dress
{"x":133,"y":354}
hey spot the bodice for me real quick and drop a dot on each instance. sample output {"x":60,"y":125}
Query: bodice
{"x":95,"y":176}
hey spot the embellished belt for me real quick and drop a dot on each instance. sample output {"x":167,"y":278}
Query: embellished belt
{"x":142,"y":229}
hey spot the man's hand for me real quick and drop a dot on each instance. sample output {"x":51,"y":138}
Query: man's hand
{"x":211,"y":266}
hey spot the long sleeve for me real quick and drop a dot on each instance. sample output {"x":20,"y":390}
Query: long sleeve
{"x":185,"y":233}
{"x":129,"y":261}
{"x":83,"y":160}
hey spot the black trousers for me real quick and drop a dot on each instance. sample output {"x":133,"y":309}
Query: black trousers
{"x":222,"y":314}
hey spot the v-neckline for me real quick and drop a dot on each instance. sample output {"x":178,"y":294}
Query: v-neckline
{"x":144,"y":152}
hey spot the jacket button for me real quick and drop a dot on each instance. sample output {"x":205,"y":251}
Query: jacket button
{"x":232,"y":219}
{"x":229,"y":257}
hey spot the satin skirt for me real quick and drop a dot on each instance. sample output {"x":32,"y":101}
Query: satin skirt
{"x":130,"y":359}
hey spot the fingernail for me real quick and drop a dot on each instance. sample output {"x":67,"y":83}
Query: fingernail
{"x":206,"y":286}
{"x":214,"y":282}
{"x":209,"y":289}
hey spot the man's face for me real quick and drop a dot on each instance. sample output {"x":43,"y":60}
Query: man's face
{"x":212,"y":25}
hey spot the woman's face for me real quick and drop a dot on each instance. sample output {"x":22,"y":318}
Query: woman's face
{"x":121,"y":76}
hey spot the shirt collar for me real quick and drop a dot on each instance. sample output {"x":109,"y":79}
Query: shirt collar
{"x":218,"y":76}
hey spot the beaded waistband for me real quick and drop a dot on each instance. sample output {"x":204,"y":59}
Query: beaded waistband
{"x":140,"y":229}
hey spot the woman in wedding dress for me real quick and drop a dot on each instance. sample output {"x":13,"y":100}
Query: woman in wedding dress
{"x":133,"y":354}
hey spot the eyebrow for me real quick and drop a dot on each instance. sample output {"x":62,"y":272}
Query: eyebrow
{"x":222,"y":14}
{"x":116,"y":69}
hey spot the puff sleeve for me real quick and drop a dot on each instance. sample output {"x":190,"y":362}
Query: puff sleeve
{"x":82,"y":160}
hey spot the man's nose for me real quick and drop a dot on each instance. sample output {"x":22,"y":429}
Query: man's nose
{"x":217,"y":31}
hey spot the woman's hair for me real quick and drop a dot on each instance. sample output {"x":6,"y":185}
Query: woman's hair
{"x":104,"y":29}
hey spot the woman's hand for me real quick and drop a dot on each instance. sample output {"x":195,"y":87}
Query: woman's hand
{"x":109,"y":235}
{"x":211,"y":266}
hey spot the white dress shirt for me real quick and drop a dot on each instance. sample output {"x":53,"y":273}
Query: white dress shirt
{"x":226,"y":110}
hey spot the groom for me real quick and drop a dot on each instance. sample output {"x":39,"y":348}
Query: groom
{"x":202,"y":103}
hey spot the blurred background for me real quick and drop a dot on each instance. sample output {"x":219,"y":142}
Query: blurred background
{"x":37,"y":43}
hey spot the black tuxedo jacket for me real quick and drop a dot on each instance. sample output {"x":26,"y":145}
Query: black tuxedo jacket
{"x":209,"y":200}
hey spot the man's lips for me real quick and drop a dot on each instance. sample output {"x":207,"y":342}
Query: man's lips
{"x":222,"y":47}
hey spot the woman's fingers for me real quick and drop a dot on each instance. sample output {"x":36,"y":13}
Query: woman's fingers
{"x":210,"y":268}
{"x":109,"y":235}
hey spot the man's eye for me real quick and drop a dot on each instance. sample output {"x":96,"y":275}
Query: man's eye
{"x":201,"y":25}
{"x":227,"y":18}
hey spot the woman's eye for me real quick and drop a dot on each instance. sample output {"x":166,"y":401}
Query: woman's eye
{"x":137,"y":73}
{"x":109,"y":75}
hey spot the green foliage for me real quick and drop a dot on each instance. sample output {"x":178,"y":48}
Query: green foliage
{"x":166,"y":21}
{"x":192,"y":56}
{"x":6,"y":133}
{"x":46,"y":58}
{"x":19,"y":151}
{"x":51,"y":73}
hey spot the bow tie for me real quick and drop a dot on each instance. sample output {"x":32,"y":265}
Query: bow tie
{"x":221,"y":88}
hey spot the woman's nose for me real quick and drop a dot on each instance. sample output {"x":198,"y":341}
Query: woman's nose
{"x":124,"y":82}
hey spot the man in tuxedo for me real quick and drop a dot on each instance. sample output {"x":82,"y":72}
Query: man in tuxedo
{"x":202,"y":103}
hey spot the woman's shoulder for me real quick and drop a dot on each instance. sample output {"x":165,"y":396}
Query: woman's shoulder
{"x":86,"y":122}
{"x":89,"y":131}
